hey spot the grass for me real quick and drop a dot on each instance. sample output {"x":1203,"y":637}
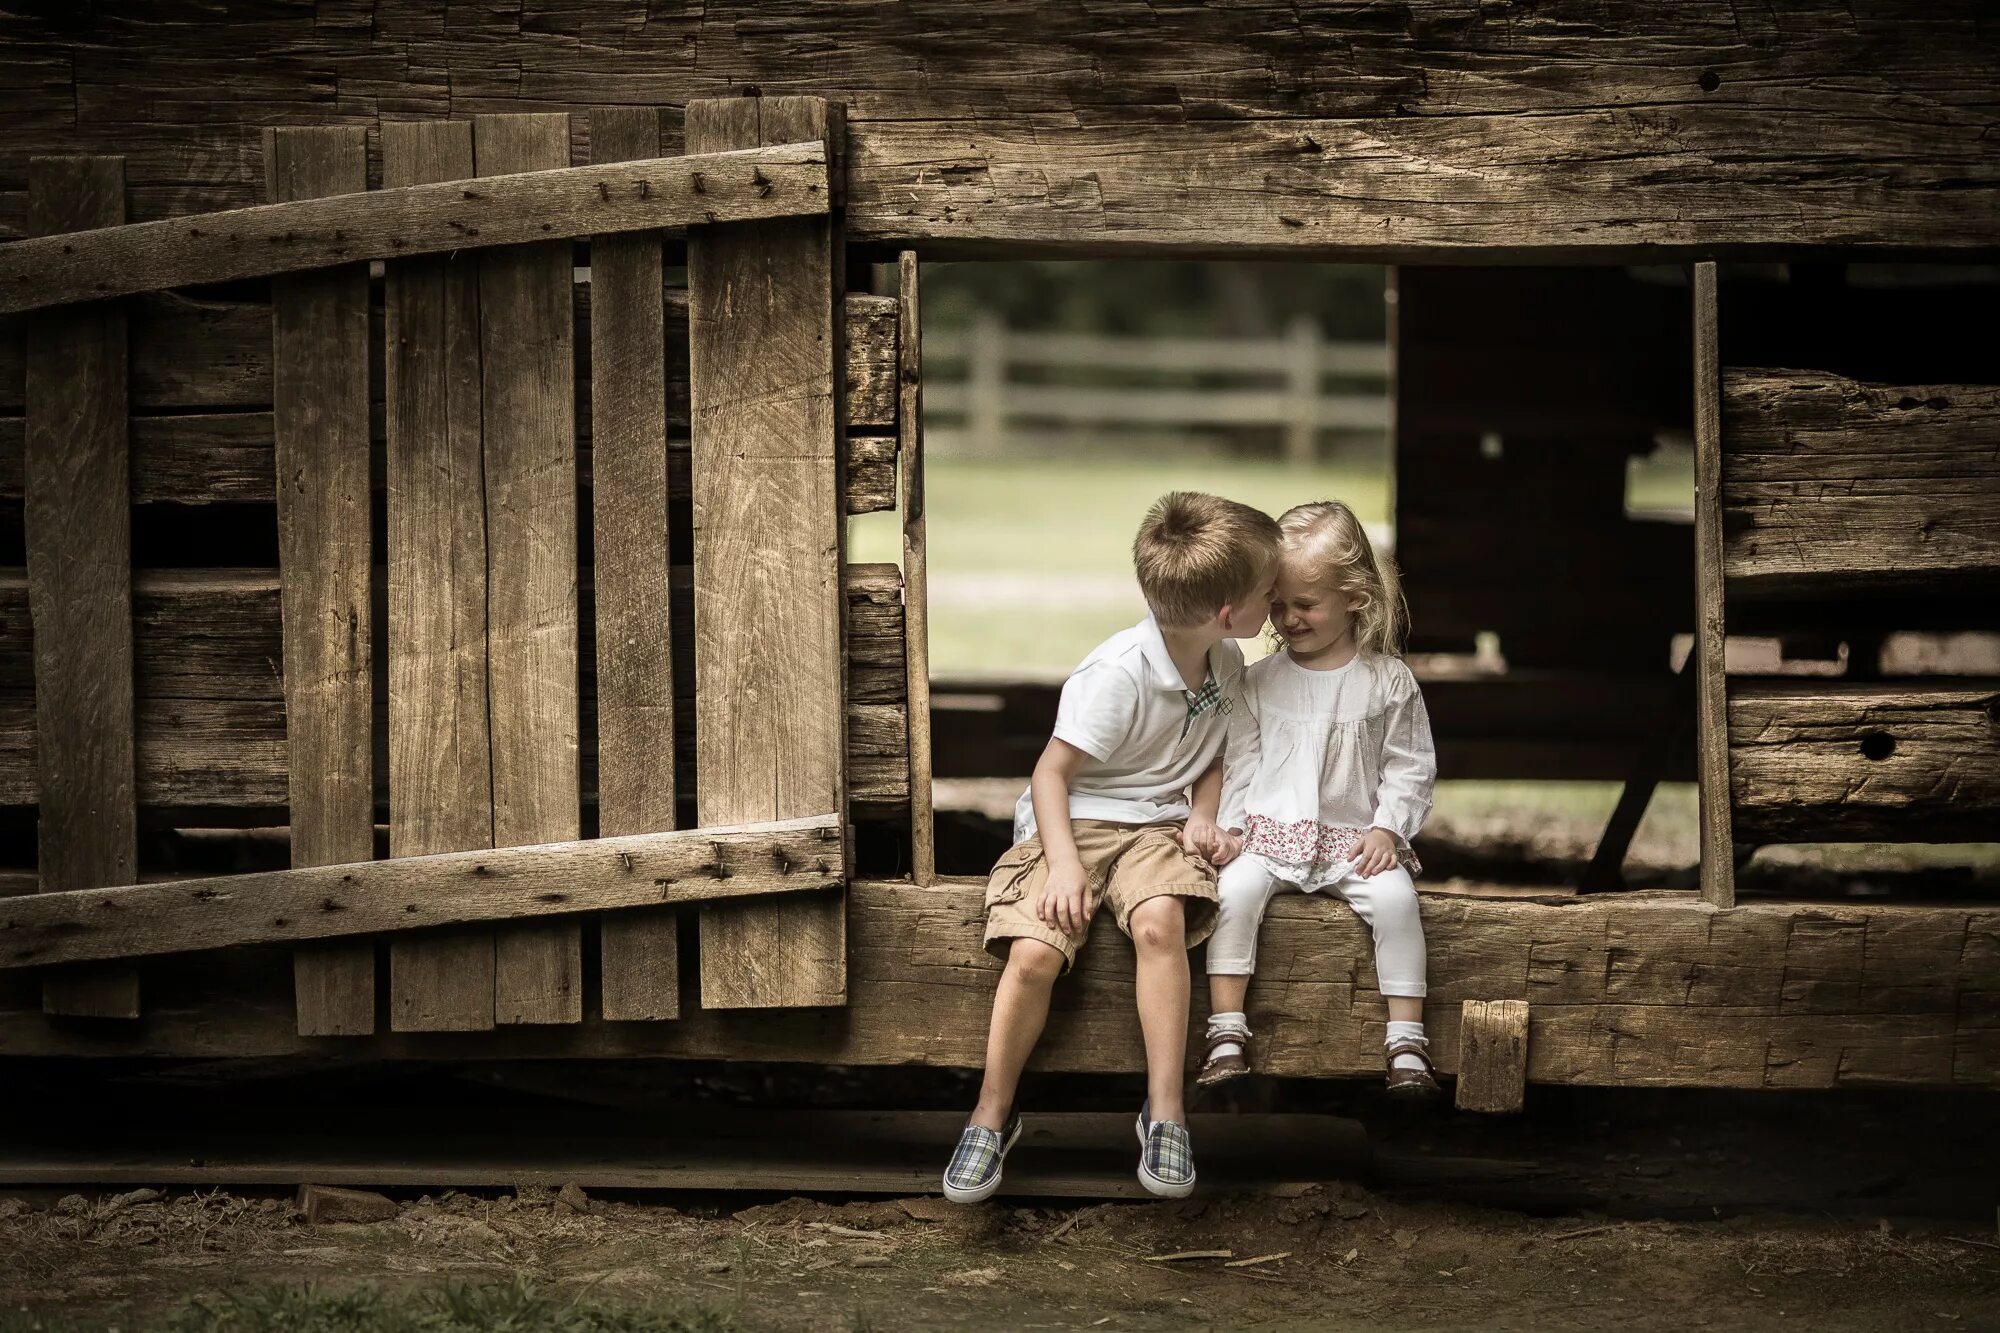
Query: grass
{"x":517,"y":1306}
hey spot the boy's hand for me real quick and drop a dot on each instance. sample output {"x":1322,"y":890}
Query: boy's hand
{"x":1228,"y":847}
{"x":1065,"y":900}
{"x":1201,"y":836}
{"x":1376,"y":853}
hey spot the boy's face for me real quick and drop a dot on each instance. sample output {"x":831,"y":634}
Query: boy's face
{"x":1245,"y":620}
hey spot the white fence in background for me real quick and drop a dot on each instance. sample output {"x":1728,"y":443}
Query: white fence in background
{"x":973,"y":402}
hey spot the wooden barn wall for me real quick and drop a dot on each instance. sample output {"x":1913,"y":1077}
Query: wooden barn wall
{"x":1408,"y":131}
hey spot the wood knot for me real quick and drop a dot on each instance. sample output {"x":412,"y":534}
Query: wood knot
{"x":552,"y":897}
{"x":604,"y":192}
{"x":481,"y":870}
{"x":1709,"y":81}
{"x":763,"y":185}
{"x":1308,"y":144}
{"x":1877,"y":746}
{"x":331,"y":905}
{"x":695,"y":178}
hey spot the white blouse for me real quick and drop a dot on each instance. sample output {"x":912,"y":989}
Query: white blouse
{"x":1314,"y":759}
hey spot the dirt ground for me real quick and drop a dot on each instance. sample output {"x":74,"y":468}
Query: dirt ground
{"x":1320,"y":1256}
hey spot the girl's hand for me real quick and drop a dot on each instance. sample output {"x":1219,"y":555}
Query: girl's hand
{"x":1376,"y":853}
{"x":1228,"y":847}
{"x":1201,"y":836}
{"x":1065,"y":899}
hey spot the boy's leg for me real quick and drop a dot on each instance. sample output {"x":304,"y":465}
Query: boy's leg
{"x":1159,"y":937}
{"x":1020,"y":1009}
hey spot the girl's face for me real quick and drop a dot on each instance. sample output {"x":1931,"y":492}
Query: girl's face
{"x":1310,"y":617}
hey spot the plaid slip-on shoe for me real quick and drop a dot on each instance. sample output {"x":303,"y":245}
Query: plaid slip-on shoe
{"x":1166,"y":1157}
{"x":974,"y":1172}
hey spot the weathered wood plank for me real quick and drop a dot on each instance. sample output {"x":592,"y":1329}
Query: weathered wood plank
{"x":1914,"y":761}
{"x":1711,"y":683}
{"x":1695,"y":130}
{"x":1831,"y":487}
{"x":421,"y":892}
{"x":916,"y":567}
{"x":512,"y":208}
{"x":639,"y":952}
{"x":1647,"y":990}
{"x":440,"y":761}
{"x":213,"y":354}
{"x":766,"y":421}
{"x":319,"y":359}
{"x":527,"y":396}
{"x":1492,"y":1056}
{"x":209,"y":691}
{"x":76,"y":488}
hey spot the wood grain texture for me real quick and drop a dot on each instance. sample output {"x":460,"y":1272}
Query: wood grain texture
{"x":1718,"y":863}
{"x":916,"y":566}
{"x":1832,"y":487}
{"x":766,"y":422}
{"x":209,"y":695}
{"x":76,"y":512}
{"x":639,"y":952}
{"x":1911,"y":761}
{"x":421,"y":892}
{"x":516,"y":207}
{"x":319,"y":422}
{"x":1492,"y":1056}
{"x":1695,"y":130}
{"x":1647,"y":990}
{"x":440,"y":760}
{"x":527,"y":395}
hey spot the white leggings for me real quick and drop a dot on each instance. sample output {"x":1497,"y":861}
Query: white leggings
{"x":1387,"y":902}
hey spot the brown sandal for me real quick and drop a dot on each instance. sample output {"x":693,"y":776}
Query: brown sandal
{"x":1222,"y":1068}
{"x":1411,"y":1083}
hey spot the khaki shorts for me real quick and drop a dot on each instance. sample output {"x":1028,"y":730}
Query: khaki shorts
{"x":1124,"y":865}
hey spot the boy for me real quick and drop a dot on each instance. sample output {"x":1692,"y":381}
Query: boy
{"x":1139,"y":725}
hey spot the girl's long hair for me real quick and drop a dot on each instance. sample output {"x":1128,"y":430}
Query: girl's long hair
{"x":1330,"y":542}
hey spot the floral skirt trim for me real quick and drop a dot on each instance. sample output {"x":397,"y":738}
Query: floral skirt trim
{"x":1311,"y":845}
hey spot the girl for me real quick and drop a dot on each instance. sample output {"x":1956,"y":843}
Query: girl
{"x":1328,"y":775}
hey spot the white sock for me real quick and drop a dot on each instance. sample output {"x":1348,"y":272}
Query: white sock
{"x":1235,"y":1024}
{"x":1399,"y":1031}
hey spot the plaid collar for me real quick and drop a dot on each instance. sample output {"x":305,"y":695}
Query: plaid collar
{"x":1204,"y":699}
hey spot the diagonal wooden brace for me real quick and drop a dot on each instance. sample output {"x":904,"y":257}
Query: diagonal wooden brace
{"x":418,"y":892}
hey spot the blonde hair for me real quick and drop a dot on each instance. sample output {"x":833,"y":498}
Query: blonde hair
{"x":1197,"y":553}
{"x":1329,"y":542}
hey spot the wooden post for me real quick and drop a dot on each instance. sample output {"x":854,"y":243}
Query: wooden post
{"x":440,"y":767}
{"x":986,"y":384}
{"x":916,"y":570}
{"x":1718,"y":850}
{"x":640,"y":956}
{"x":527,"y":367}
{"x":319,"y":417}
{"x":77,"y":512}
{"x":766,"y":382}
{"x":1302,"y":380}
{"x":1492,"y":1055}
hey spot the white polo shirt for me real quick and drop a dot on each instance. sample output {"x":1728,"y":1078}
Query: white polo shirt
{"x":1126,"y":707}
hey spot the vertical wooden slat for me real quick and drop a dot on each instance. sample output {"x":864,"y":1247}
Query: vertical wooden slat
{"x":77,"y":512}
{"x":916,"y":567}
{"x":639,"y":951}
{"x":528,"y":395}
{"x":1718,"y":865}
{"x":769,"y":652}
{"x":319,"y":414}
{"x":440,"y":765}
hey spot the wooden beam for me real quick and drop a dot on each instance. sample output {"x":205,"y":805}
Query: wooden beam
{"x":916,"y":568}
{"x":528,"y":401}
{"x":440,"y":756}
{"x":1644,"y":990}
{"x":639,"y":952}
{"x":511,"y":208}
{"x":1492,"y":1056}
{"x":319,"y":360}
{"x":1909,"y":761}
{"x":422,"y":892}
{"x":1832,"y":487}
{"x":769,"y":541}
{"x":76,"y":487}
{"x":1718,"y":854}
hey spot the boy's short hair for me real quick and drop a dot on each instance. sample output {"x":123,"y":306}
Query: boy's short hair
{"x":1197,"y":553}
